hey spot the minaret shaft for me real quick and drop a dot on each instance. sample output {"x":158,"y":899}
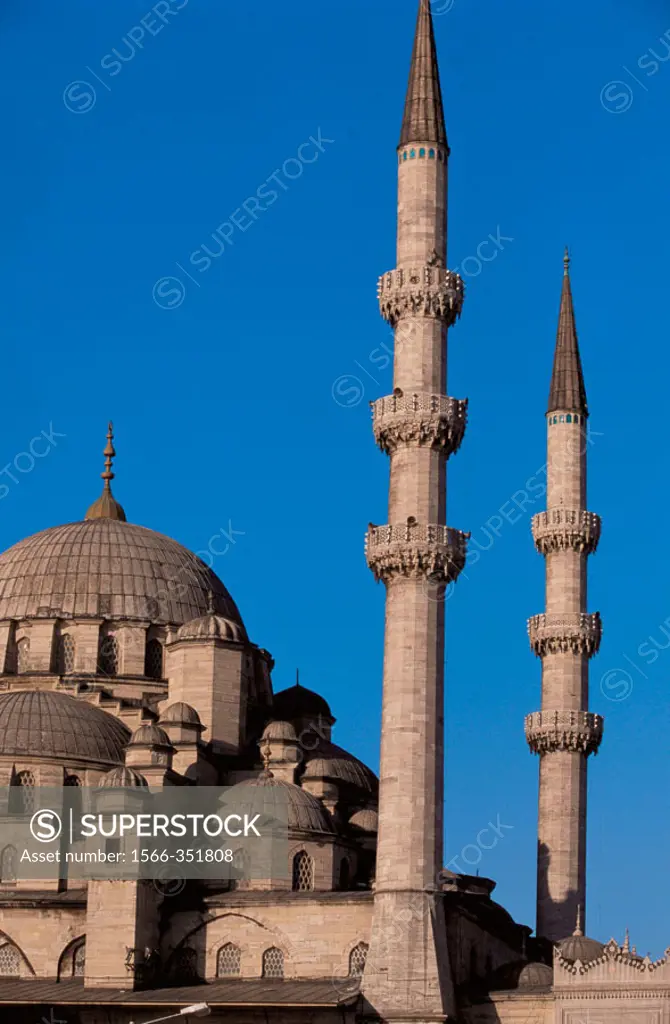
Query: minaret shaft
{"x":564,"y":732}
{"x":408,"y":974}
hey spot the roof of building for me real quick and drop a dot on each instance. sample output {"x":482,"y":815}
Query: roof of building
{"x":567,"y":389}
{"x":36,"y":993}
{"x":299,"y":702}
{"x":276,"y":730}
{"x":212,"y":627}
{"x":150,"y":736}
{"x":122,"y":778}
{"x":367,"y":820}
{"x":45,"y":723}
{"x":423,"y":120}
{"x":108,"y":568}
{"x":299,"y":808}
{"x":580,"y":947}
{"x":325,"y":760}
{"x":180,"y":713}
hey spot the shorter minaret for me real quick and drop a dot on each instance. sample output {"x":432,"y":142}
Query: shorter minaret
{"x":565,"y":637}
{"x":106,"y":507}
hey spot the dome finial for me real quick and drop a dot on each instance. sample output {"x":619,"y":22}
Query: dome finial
{"x":106,"y":507}
{"x":578,"y":923}
{"x":267,"y":754}
{"x":566,"y":260}
{"x":210,"y":602}
{"x":626,"y":943}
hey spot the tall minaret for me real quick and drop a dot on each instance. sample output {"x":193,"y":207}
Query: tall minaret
{"x":564,"y":732}
{"x":416,"y":555}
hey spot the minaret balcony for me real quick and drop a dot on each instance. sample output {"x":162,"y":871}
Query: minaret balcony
{"x":421,"y":291}
{"x":572,"y":731}
{"x":579,"y":633}
{"x":421,"y":419}
{"x":563,"y":529}
{"x":415,"y":550}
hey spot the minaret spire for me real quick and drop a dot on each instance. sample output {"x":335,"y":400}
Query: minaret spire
{"x":564,"y":732}
{"x":416,"y":555}
{"x":424,"y":112}
{"x":567,"y":380}
{"x":106,"y":507}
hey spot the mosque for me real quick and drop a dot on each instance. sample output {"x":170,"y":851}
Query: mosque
{"x":125,"y":664}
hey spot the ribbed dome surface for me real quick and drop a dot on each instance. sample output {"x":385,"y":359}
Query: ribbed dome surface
{"x":122,"y":778}
{"x":181,"y":714}
{"x":107,"y":568}
{"x":279,"y":731}
{"x":43,"y":723}
{"x":297,"y":702}
{"x":212,"y":627}
{"x":150,"y":736}
{"x":367,"y":820}
{"x":579,"y":947}
{"x":332,"y":762}
{"x":305,"y":812}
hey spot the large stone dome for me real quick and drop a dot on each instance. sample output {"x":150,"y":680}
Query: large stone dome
{"x":112,"y":569}
{"x":44,"y":723}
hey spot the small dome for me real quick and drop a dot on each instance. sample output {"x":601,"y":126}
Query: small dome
{"x":579,"y":947}
{"x":535,"y":976}
{"x":305,"y":812}
{"x":366,"y":820}
{"x":180,"y":713}
{"x":45,"y":723}
{"x":279,"y":731}
{"x":212,"y":627}
{"x":340,"y":766}
{"x":122,"y":777}
{"x":299,"y":702}
{"x":150,"y":736}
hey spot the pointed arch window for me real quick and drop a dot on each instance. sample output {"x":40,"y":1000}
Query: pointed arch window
{"x":357,"y":958}
{"x":108,"y":655}
{"x":23,"y":655}
{"x":153,"y":660}
{"x":10,"y":961}
{"x":65,"y":654}
{"x":228,"y":961}
{"x":273,"y":963}
{"x":79,"y":960}
{"x":303,"y":872}
{"x":8,"y":865}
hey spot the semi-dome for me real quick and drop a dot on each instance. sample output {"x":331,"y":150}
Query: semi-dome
{"x":305,"y":812}
{"x":212,"y":627}
{"x":535,"y":975}
{"x":45,"y":723}
{"x":150,"y":736}
{"x":180,"y":713}
{"x":108,"y":568}
{"x":122,"y":778}
{"x":329,"y":761}
{"x":279,"y":731}
{"x":299,"y":702}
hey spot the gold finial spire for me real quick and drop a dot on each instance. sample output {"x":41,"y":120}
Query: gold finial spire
{"x":626,"y":943}
{"x":566,"y":261}
{"x":578,"y":923}
{"x":106,"y":507}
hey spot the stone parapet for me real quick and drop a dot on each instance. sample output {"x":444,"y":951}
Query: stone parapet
{"x":416,"y":550}
{"x":419,"y":418}
{"x":574,"y":731}
{"x":565,"y":634}
{"x":561,"y":529}
{"x":420,"y":291}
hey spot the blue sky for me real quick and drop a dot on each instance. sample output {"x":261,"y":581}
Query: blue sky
{"x":226,"y":385}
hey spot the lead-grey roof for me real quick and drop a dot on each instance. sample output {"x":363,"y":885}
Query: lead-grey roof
{"x":106,"y":568}
{"x":567,"y":391}
{"x":423,"y":120}
{"x":44,"y":723}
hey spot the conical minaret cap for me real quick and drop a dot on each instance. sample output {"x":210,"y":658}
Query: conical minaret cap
{"x":424,"y":112}
{"x":106,"y":507}
{"x":567,"y":390}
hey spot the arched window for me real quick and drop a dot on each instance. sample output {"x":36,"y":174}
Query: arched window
{"x":10,"y":961}
{"x":65,"y":655}
{"x":303,"y":872}
{"x":22,"y":793}
{"x":79,"y":960}
{"x":228,"y":961}
{"x":108,"y":655}
{"x":422,"y":153}
{"x":568,"y":418}
{"x":153,"y":660}
{"x":273,"y":963}
{"x":23,"y":655}
{"x":72,"y":780}
{"x":8,"y":865}
{"x":357,"y":958}
{"x":345,"y":874}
